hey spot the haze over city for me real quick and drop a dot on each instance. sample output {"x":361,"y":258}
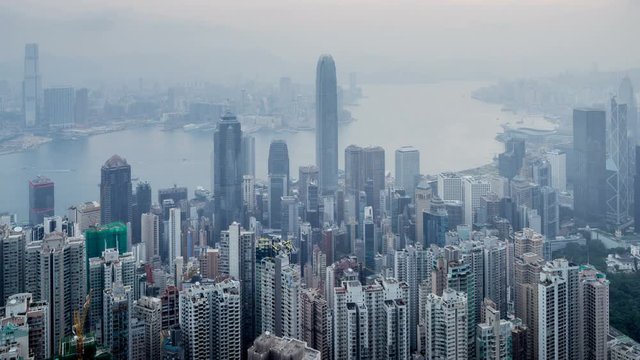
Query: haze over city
{"x":320,"y":180}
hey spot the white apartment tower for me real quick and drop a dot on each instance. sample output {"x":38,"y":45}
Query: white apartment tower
{"x":445,"y":322}
{"x":474,"y":189}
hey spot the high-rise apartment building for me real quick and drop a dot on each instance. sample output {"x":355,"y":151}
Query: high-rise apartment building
{"x":148,"y":310}
{"x":116,"y":317}
{"x":12,"y":272}
{"x":210,"y":320}
{"x":493,"y":336}
{"x":593,"y":305}
{"x":31,"y":86}
{"x":269,"y":346}
{"x":280,"y":297}
{"x":227,"y":172}
{"x":446,"y":314}
{"x":55,"y":273}
{"x":115,"y":191}
{"x":327,"y":124}
{"x":41,"y":199}
{"x":407,"y":169}
{"x":589,"y":147}
{"x":174,"y":235}
{"x":33,"y":318}
{"x":315,"y":320}
{"x":371,"y":321}
{"x":237,"y":259}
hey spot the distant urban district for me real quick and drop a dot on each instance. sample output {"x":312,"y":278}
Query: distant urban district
{"x":532,"y":256}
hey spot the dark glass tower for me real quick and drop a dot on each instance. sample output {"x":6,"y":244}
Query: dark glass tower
{"x":278,"y":180}
{"x":589,"y":146}
{"x":141,"y":205}
{"x":41,"y":199}
{"x":327,"y":124}
{"x":115,"y":191}
{"x":227,"y":172}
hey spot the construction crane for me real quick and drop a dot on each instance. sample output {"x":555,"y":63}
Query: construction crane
{"x":79,"y":320}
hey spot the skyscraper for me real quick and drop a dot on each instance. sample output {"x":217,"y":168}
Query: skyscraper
{"x":210,"y":320}
{"x":12,"y":273}
{"x":594,"y":313}
{"x":31,"y":86}
{"x":237,"y":259}
{"x":278,"y":168}
{"x":493,"y":339}
{"x":59,"y":107}
{"x":315,"y":321}
{"x":280,"y":297}
{"x":115,"y":191}
{"x":589,"y":146}
{"x":116,"y":316}
{"x":618,"y":166}
{"x":142,"y":205}
{"x":407,"y":168}
{"x":174,"y":234}
{"x":474,"y":190}
{"x":150,"y":236}
{"x":446,"y":314}
{"x":227,"y":172}
{"x":626,"y":95}
{"x":41,"y":199}
{"x":450,"y":187}
{"x":81,"y":106}
{"x":558,"y":163}
{"x":248,"y":155}
{"x":55,"y":273}
{"x":147,"y":309}
{"x":327,"y":124}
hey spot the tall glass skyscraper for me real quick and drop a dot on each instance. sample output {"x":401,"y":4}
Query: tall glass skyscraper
{"x":327,"y":124}
{"x":589,"y":146}
{"x":41,"y":199}
{"x":278,"y":180}
{"x":407,"y":168}
{"x":31,"y":86}
{"x":115,"y":191}
{"x":227,"y":172}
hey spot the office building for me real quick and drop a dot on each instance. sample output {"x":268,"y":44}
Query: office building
{"x":370,"y":243}
{"x":510,"y":161}
{"x":626,"y":95}
{"x":31,"y":86}
{"x":150,"y":236}
{"x":174,"y":235}
{"x":278,"y":187}
{"x":435,"y":224}
{"x":278,"y":161}
{"x":210,"y":320}
{"x":227,"y":172}
{"x":407,"y":169}
{"x":326,"y":125}
{"x":558,"y":164}
{"x":618,"y":166}
{"x":41,"y":199}
{"x":589,"y":147}
{"x":141,"y":205}
{"x":55,"y":273}
{"x":474,"y":190}
{"x":59,"y":107}
{"x":237,"y":259}
{"x":450,"y":187}
{"x":248,"y":155}
{"x":446,"y":314}
{"x":115,"y":191}
{"x":81,"y":106}
{"x":271,"y":347}
{"x":548,"y":208}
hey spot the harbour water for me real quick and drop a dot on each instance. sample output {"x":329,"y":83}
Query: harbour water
{"x":452,"y":130}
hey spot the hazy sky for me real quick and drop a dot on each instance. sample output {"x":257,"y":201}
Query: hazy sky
{"x":84,"y":40}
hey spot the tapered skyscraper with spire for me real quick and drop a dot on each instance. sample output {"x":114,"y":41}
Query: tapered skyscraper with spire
{"x":327,"y":124}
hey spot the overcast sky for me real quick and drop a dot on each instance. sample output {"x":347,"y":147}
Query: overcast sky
{"x":190,"y":40}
